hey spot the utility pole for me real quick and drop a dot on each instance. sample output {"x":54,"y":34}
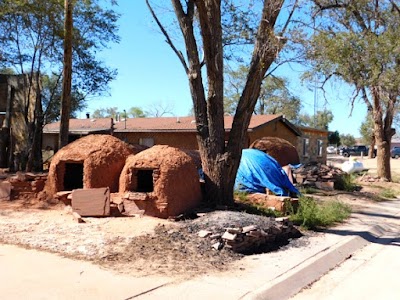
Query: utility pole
{"x":67,"y":74}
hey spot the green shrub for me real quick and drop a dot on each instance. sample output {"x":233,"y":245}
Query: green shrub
{"x":308,"y":190}
{"x":388,"y":193}
{"x":312,"y":215}
{"x":346,"y":182}
{"x":395,"y":178}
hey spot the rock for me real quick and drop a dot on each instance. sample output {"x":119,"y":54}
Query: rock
{"x":229,"y":236}
{"x":77,"y":217}
{"x":218,"y":245}
{"x":204,"y":233}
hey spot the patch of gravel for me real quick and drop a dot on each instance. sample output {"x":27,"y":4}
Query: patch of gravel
{"x":169,"y":248}
{"x":218,"y":221}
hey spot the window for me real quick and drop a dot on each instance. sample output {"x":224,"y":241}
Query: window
{"x":149,"y":142}
{"x":319,"y":147}
{"x":306,"y":142}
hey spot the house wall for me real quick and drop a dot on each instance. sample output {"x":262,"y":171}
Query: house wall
{"x":188,"y":140}
{"x":315,"y":149}
{"x":50,"y":140}
{"x":275,"y":129}
{"x":182,"y":140}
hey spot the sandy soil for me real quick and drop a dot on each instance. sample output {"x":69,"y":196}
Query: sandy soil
{"x":145,"y":245}
{"x":140,"y":246}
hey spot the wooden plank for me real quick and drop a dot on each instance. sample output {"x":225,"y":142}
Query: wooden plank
{"x":91,"y":202}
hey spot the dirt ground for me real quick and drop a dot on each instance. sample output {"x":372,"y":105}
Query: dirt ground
{"x":142,"y":246}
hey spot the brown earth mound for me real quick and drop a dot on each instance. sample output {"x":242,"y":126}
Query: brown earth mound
{"x":195,"y":155}
{"x":161,"y":181}
{"x":93,"y":161}
{"x":282,"y":150}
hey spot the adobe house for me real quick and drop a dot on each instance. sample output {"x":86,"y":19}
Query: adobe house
{"x":179,"y":132}
{"x":161,"y":181}
{"x":312,"y":145}
{"x":17,"y":101}
{"x":93,"y":161}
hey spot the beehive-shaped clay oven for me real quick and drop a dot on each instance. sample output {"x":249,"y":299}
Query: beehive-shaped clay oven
{"x":282,"y":150}
{"x":93,"y":161}
{"x":162,"y":181}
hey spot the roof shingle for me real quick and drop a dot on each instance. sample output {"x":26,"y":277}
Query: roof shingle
{"x":151,"y":124}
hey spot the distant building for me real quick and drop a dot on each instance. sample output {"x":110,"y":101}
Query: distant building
{"x":180,"y":132}
{"x":312,"y":145}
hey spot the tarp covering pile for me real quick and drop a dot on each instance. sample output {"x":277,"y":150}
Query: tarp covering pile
{"x":258,"y":171}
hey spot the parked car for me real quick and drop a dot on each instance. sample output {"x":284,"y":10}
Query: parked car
{"x":395,"y":152}
{"x":331,"y":150}
{"x":354,"y":151}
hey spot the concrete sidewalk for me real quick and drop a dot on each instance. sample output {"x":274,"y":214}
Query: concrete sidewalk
{"x":29,"y":274}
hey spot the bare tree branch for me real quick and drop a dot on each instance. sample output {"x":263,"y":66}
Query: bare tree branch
{"x":329,"y":6}
{"x":289,"y":18}
{"x":395,"y":6}
{"x":169,"y":41}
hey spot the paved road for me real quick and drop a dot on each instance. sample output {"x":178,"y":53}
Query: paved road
{"x":33,"y":275}
{"x":371,"y":272}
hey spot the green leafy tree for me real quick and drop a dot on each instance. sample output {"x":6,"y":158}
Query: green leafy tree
{"x":210,"y":28}
{"x":51,"y":99}
{"x":320,"y":120}
{"x":334,"y":138}
{"x":274,"y":98}
{"x":137,"y":112}
{"x":367,"y":134}
{"x":357,"y":41}
{"x":31,"y":42}
{"x":109,"y":112}
{"x":347,"y":140}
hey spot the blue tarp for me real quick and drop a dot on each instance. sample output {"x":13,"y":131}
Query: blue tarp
{"x":258,"y":170}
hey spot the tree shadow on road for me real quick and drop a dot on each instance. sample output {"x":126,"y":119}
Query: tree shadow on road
{"x":377,"y":235}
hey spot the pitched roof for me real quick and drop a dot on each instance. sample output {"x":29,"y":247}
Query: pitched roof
{"x":315,"y":130}
{"x":165,"y":124}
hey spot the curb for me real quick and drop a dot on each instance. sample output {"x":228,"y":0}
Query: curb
{"x":307,"y":272}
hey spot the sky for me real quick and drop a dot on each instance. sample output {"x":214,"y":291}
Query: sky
{"x":149,"y":73}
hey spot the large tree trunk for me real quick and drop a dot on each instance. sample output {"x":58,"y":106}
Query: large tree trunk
{"x":371,"y":151}
{"x":67,"y":75}
{"x":383,"y":133}
{"x":220,"y":161}
{"x":35,"y":162}
{"x":5,"y":131}
{"x":4,"y":146}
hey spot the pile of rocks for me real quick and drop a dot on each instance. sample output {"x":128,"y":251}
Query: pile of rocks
{"x":250,"y":239}
{"x":318,"y":175}
{"x":22,"y":185}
